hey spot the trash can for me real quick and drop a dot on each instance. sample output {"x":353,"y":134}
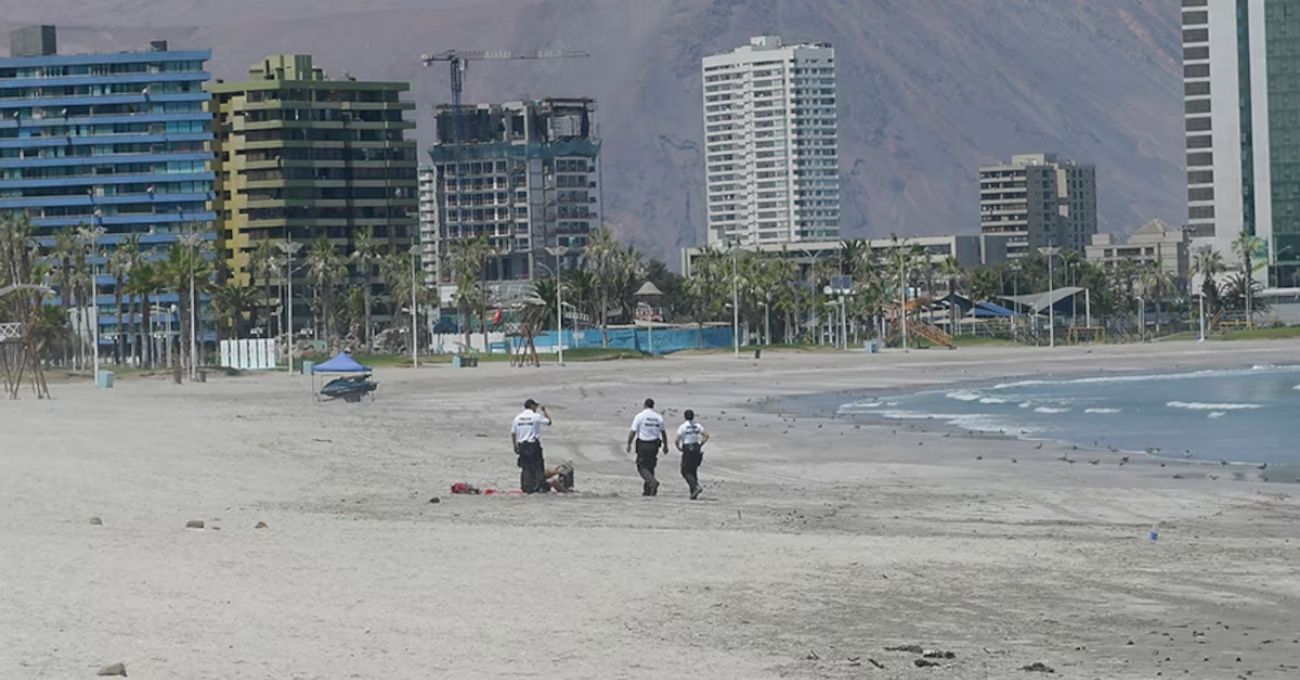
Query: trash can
{"x":104,"y":380}
{"x":307,"y":367}
{"x":871,"y":346}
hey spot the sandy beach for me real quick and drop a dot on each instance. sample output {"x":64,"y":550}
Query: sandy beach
{"x":818,"y":544}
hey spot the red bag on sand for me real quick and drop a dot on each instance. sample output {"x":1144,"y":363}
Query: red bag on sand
{"x":463,"y":488}
{"x":490,"y":492}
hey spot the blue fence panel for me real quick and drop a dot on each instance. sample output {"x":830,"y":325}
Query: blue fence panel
{"x":644,"y":340}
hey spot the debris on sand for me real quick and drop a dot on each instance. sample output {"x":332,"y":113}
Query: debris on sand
{"x":118,"y":669}
{"x":435,"y":499}
{"x":910,"y":649}
{"x":1038,"y":667}
{"x":812,"y":656}
{"x":194,"y":524}
{"x":261,"y":525}
{"x":97,"y":522}
{"x":875,"y":663}
{"x":938,"y":654}
{"x":923,"y":663}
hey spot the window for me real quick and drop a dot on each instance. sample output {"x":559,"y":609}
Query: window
{"x":1201,"y":124}
{"x":1200,"y":160}
{"x":1200,"y":212}
{"x":1195,"y":35}
{"x":1200,"y":194}
{"x":1196,"y":71}
{"x":1196,"y":89}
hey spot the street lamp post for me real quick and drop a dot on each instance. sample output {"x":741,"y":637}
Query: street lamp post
{"x":1050,"y":252}
{"x":558,"y":251}
{"x":192,"y":241}
{"x":94,"y":235}
{"x":1201,"y":300}
{"x":289,"y":248}
{"x":735,"y":306}
{"x":415,"y":332}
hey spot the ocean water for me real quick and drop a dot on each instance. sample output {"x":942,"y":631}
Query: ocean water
{"x":1250,"y":414}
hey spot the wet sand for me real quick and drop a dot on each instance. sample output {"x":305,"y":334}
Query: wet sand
{"x":818,"y":543}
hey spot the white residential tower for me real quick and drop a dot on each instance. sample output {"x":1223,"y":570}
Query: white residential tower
{"x":771,"y":157}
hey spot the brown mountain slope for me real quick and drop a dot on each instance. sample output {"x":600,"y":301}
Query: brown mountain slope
{"x":929,"y":89}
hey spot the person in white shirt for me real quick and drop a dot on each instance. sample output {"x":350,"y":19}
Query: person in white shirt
{"x":691,"y":438}
{"x":649,"y":434}
{"x":525,"y":437}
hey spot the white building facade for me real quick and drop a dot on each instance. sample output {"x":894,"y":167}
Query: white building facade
{"x":771,"y":152}
{"x":429,"y":260}
{"x":1241,"y":84}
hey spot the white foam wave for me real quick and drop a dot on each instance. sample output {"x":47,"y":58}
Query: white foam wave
{"x":1026,"y":404}
{"x":963,"y":395}
{"x":1216,"y":414}
{"x":992,"y":400}
{"x":1202,"y":406}
{"x":1290,"y":368}
{"x":1102,"y":410}
{"x":1051,"y":409}
{"x":1297,"y":388}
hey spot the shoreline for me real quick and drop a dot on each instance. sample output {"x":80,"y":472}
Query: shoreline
{"x":829,"y":405}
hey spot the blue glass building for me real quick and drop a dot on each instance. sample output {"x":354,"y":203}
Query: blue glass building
{"x":116,"y":141}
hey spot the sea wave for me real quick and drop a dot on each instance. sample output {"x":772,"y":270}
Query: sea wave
{"x":1216,"y":414}
{"x":995,"y":400}
{"x":1217,"y":373}
{"x":1051,"y":409}
{"x":964,"y":395}
{"x":1102,"y":410}
{"x":1202,"y":406}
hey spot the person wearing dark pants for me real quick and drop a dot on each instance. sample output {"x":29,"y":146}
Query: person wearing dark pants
{"x":525,"y":436}
{"x":650,"y":436}
{"x":691,"y":439}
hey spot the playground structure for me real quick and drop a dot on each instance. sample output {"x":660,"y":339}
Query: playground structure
{"x":20,"y":350}
{"x":916,"y":328}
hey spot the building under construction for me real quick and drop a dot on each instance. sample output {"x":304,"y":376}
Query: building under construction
{"x":525,"y":174}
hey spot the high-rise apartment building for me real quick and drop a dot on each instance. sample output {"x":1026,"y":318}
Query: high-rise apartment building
{"x":428,"y":212}
{"x":116,"y":142}
{"x":771,"y":159}
{"x":524,"y":174}
{"x":300,"y":156}
{"x":1036,"y":200}
{"x":1241,"y":85}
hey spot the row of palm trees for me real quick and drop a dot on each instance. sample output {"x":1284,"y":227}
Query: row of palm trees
{"x":776,"y":296}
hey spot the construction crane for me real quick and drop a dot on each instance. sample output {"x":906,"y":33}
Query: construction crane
{"x":458,"y":62}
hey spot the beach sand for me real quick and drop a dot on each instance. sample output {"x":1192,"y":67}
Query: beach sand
{"x":818,"y":543}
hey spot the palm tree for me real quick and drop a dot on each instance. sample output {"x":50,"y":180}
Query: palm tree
{"x":185,"y":265}
{"x":1156,"y":284}
{"x":467,"y":259}
{"x":325,"y":268}
{"x":1246,"y":246}
{"x":144,"y":280}
{"x":604,"y":257}
{"x":365,"y":253}
{"x":1208,"y":263}
{"x":230,"y":302}
{"x":65,"y":251}
{"x":952,"y":271}
{"x":125,"y":257}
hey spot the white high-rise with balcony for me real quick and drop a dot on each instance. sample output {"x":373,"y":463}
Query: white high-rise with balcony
{"x":771,"y":157}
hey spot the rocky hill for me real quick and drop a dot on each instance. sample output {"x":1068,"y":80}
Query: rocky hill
{"x":929,"y":89}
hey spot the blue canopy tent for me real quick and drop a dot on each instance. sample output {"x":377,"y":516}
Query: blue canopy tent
{"x":352,"y":384}
{"x":990,"y":310}
{"x":341,"y":363}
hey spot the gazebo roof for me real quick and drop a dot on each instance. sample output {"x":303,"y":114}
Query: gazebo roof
{"x":649,"y":289}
